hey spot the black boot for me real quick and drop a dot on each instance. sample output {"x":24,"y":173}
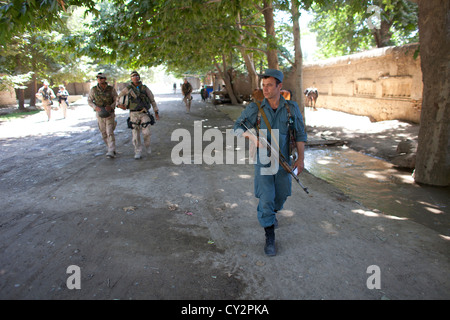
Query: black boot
{"x":269,"y":248}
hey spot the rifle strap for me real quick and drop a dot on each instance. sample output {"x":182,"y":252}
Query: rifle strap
{"x":268,"y":126}
{"x":291,"y":131}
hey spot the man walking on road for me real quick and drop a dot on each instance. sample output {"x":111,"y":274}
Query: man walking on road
{"x":46,"y":94}
{"x":62,"y":95}
{"x":102,"y":98}
{"x":272,"y":189}
{"x":132,"y":97}
{"x":186,"y":88}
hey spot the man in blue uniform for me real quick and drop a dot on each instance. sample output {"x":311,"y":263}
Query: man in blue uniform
{"x":283,"y":117}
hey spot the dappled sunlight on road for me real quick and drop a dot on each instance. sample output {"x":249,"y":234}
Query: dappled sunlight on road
{"x":79,"y":118}
{"x":431,"y":207}
{"x":286,"y":213}
{"x":389,"y":174}
{"x":372,"y":214}
{"x":168,"y":97}
{"x":378,"y":185}
{"x":349,"y":122}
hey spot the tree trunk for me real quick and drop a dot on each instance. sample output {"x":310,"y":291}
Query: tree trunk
{"x":226,"y":78}
{"x":231,"y":77}
{"x":297,"y":91}
{"x":34,"y":87}
{"x":433,"y":158}
{"x":383,"y":35}
{"x":20,"y":93}
{"x":33,"y":90}
{"x":272,"y":57}
{"x":250,"y":65}
{"x":253,"y":75}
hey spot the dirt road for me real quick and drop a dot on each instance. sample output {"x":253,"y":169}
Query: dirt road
{"x":150,"y":229}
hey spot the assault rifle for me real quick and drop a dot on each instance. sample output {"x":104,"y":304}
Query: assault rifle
{"x":275,"y":153}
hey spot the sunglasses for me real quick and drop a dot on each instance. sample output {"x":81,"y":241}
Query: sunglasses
{"x":104,"y":78}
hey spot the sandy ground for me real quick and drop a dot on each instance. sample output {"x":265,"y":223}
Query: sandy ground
{"x":150,"y":229}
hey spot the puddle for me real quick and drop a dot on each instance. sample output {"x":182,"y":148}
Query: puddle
{"x":377,"y":184}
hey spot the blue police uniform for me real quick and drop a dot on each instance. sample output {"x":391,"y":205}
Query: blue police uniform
{"x":273,"y":190}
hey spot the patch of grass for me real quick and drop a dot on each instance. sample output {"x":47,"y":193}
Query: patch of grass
{"x":17,"y":115}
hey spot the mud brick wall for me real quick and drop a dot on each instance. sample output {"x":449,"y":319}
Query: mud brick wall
{"x":383,"y":84}
{"x":8,"y":98}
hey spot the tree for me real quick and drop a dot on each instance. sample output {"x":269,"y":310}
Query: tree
{"x":433,"y":158}
{"x":21,"y":56}
{"x":298,"y":63}
{"x":249,"y":62}
{"x":18,"y":16}
{"x":34,"y":47}
{"x":294,"y":7}
{"x":204,"y":36}
{"x":272,"y":53}
{"x":348,"y":26}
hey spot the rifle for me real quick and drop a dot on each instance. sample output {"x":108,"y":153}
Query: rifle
{"x":275,"y":153}
{"x":147,"y":109}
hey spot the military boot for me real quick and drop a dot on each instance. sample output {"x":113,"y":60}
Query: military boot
{"x":269,"y":248}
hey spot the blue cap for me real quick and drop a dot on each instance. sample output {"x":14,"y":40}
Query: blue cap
{"x":277,"y":74}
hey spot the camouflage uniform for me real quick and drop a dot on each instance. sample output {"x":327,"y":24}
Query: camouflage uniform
{"x":46,"y":94}
{"x":186,"y":88}
{"x":103,"y":97}
{"x":138,"y":116}
{"x":63,"y":94}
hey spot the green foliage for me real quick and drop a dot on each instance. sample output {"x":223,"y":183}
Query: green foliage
{"x":16,"y":81}
{"x":339,"y":31}
{"x":342,"y":26}
{"x":49,"y":49}
{"x":73,"y":40}
{"x":17,"y":16}
{"x":184,"y":36}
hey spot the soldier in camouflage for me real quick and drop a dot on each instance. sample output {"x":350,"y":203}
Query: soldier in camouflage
{"x":186,"y":88}
{"x":46,"y":94}
{"x":139,"y":119}
{"x":102,"y":98}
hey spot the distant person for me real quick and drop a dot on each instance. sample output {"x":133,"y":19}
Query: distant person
{"x":62,"y":95}
{"x":174,"y":88}
{"x":102,"y":98}
{"x":203,"y":93}
{"x":311,"y":95}
{"x":46,"y":94}
{"x":186,"y":89}
{"x":136,"y":94}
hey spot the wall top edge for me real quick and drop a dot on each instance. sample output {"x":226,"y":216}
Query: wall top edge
{"x":373,"y":53}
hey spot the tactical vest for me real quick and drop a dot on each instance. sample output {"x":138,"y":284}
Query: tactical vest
{"x":46,"y":94}
{"x":135,"y":92}
{"x":103,"y":98}
{"x":186,"y":88}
